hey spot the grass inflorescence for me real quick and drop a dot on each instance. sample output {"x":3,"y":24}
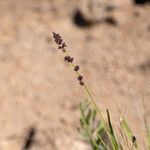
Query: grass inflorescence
{"x":93,"y":128}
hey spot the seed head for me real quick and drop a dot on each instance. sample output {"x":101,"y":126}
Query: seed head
{"x":62,"y":45}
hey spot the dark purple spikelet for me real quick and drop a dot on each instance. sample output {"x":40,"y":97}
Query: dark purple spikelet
{"x":80,"y":78}
{"x":81,"y":83}
{"x":76,"y":68}
{"x":62,"y":46}
{"x":70,"y":60}
{"x":66,"y":58}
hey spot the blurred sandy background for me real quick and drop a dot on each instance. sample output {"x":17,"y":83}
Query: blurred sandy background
{"x":39,"y":93}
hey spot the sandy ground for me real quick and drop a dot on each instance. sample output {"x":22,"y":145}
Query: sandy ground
{"x":39,"y":93}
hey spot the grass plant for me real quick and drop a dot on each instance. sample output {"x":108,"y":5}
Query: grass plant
{"x":99,"y":133}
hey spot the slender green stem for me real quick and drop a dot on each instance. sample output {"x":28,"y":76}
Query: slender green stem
{"x":93,"y":101}
{"x":94,"y":105}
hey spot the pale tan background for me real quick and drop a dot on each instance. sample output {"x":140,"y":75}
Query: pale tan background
{"x":37,"y":89}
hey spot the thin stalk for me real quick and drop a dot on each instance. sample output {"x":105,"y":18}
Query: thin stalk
{"x":93,"y":101}
{"x":94,"y":105}
{"x":61,"y":45}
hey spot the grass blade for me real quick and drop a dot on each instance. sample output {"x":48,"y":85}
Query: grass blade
{"x":113,"y":138}
{"x":128,"y":131}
